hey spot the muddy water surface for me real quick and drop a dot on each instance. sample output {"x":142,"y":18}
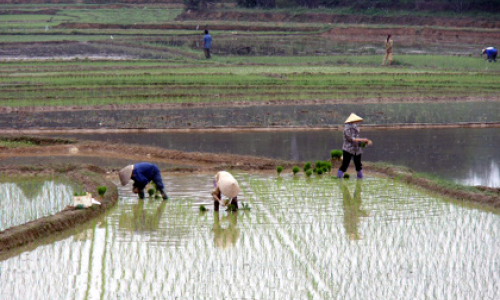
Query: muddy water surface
{"x":302,"y":239}
{"x":466,"y":155}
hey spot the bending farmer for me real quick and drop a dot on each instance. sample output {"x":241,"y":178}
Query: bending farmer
{"x":352,"y":146}
{"x":225,"y":184}
{"x":142,"y":174}
{"x":491,"y":53}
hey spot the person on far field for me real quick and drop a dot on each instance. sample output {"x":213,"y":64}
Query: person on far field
{"x":388,"y":50}
{"x":225,"y":184}
{"x":352,"y":146}
{"x":142,"y":174}
{"x":491,"y":53}
{"x":207,"y":44}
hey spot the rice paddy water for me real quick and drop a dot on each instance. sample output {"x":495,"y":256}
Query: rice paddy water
{"x":317,"y":238}
{"x":29,"y":200}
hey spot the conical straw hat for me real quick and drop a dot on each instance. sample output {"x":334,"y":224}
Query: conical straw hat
{"x":228,"y":186}
{"x":125,"y":174}
{"x":353,"y":118}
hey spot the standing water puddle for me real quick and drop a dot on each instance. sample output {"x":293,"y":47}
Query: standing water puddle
{"x":302,"y":239}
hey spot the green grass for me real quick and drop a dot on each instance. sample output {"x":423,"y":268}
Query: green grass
{"x":15,"y":144}
{"x":81,"y":82}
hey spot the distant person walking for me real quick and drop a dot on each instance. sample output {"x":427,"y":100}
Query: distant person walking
{"x":207,"y":44}
{"x":388,"y":50}
{"x":491,"y":53}
{"x":352,"y":146}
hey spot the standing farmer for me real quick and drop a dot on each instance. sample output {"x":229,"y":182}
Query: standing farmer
{"x":142,"y":174}
{"x":225,"y":184}
{"x":491,"y":53}
{"x":352,"y":146}
{"x":207,"y":44}
{"x":388,"y":50}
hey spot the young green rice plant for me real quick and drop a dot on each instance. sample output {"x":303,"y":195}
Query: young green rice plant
{"x":279,"y":169}
{"x":307,"y":166}
{"x":347,"y":176}
{"x":309,"y":173}
{"x":335,"y":154}
{"x":203,"y":208}
{"x":151,"y":192}
{"x":295,"y":170}
{"x":80,"y":193}
{"x":101,"y":190}
{"x":245,"y":206}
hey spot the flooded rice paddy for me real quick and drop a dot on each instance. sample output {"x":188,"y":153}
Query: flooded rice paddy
{"x":466,"y":155}
{"x":302,"y":239}
{"x":30,"y":199}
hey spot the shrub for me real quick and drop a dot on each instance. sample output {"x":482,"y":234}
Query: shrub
{"x":279,"y":169}
{"x":101,"y":190}
{"x":295,"y":170}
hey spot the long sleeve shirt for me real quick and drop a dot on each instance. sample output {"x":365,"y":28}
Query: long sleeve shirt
{"x":351,"y":132}
{"x":144,"y":173}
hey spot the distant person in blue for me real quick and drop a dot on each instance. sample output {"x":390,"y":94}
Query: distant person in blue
{"x":142,"y":174}
{"x":491,"y":53}
{"x":207,"y":44}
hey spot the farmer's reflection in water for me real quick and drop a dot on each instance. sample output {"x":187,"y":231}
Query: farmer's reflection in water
{"x":141,"y":219}
{"x":352,"y":210}
{"x":225,"y":237}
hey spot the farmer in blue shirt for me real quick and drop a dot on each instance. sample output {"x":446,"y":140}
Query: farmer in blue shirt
{"x":491,"y":53}
{"x":207,"y":44}
{"x":142,"y":174}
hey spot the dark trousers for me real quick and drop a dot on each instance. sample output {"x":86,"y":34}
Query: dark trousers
{"x":233,"y":205}
{"x":207,"y":52}
{"x":347,"y":160}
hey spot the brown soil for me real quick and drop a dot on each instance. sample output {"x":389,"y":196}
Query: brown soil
{"x":199,"y":162}
{"x":156,"y":106}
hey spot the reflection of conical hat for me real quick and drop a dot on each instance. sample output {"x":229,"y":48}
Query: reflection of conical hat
{"x":125,"y":174}
{"x":228,"y":186}
{"x":353,"y":118}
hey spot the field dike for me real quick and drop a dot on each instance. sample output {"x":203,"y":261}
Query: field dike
{"x":287,"y":114}
{"x":91,"y":177}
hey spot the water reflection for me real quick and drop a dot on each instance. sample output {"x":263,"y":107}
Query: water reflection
{"x":456,"y":153}
{"x":32,"y":199}
{"x":490,"y":176}
{"x":141,"y":219}
{"x":293,"y":244}
{"x":225,"y":235}
{"x":352,"y":210}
